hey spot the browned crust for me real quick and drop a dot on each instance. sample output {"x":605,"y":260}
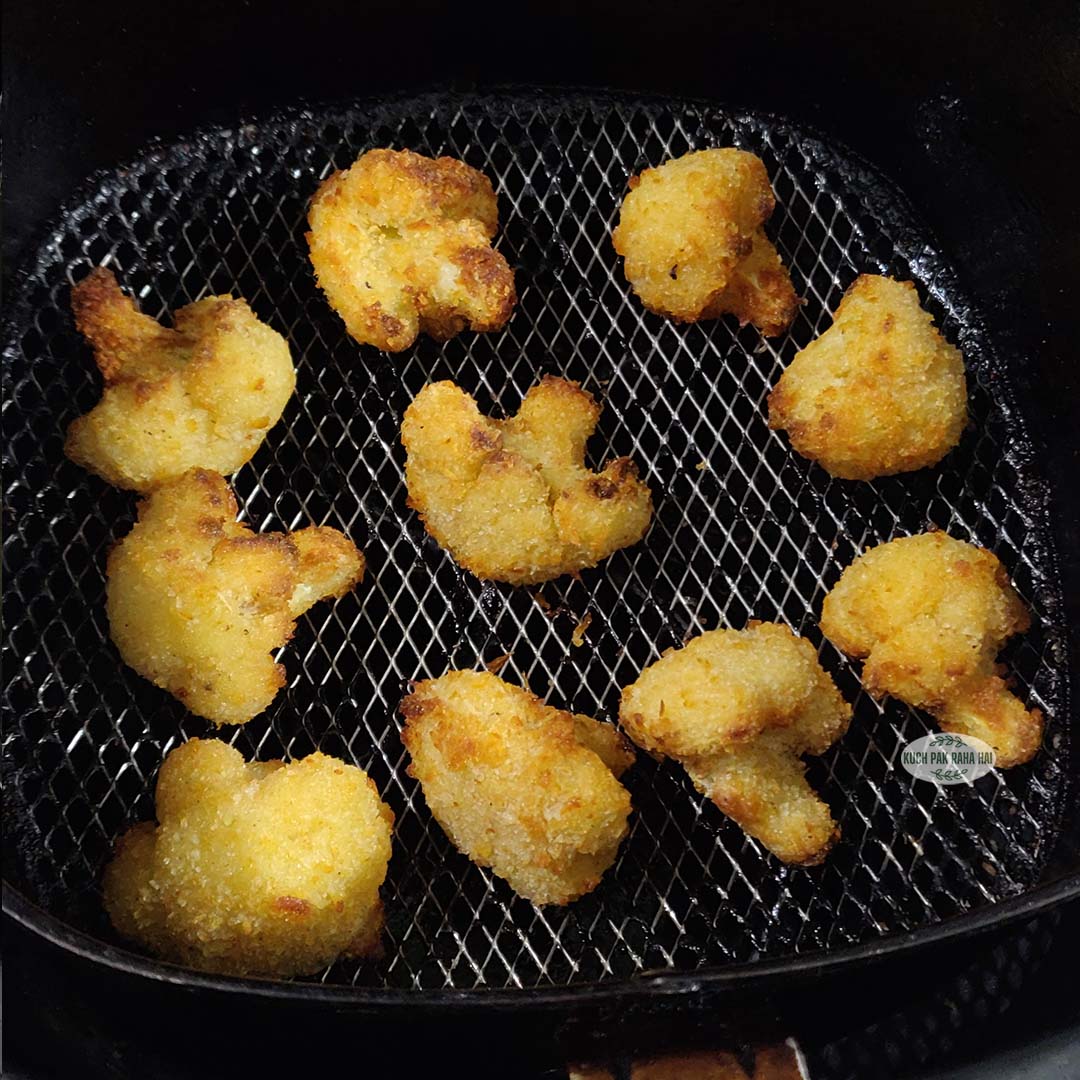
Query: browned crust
{"x":569,"y":388}
{"x":484,"y":268}
{"x":217,"y":492}
{"x":443,"y":326}
{"x":778,"y":403}
{"x":414,"y":706}
{"x":391,"y":325}
{"x":292,"y":905}
{"x":619,"y":475}
{"x":740,"y":810}
{"x":210,"y":527}
{"x":451,"y":191}
{"x":99,"y":304}
{"x":485,"y":439}
{"x":447,"y":180}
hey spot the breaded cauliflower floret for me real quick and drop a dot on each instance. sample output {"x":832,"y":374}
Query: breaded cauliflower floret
{"x":202,"y":394}
{"x":401,"y":244}
{"x":264,"y":869}
{"x":524,"y":788}
{"x":197,"y":601}
{"x":880,"y":392}
{"x":512,"y":500}
{"x":930,"y":614}
{"x":737,"y":708}
{"x":691,"y":235}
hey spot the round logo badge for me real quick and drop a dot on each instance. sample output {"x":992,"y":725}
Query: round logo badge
{"x":948,"y":759}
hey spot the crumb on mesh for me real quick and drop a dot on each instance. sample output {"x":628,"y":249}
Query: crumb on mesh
{"x":577,"y":638}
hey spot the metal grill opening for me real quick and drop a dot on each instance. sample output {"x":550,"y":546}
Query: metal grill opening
{"x":743,"y":529}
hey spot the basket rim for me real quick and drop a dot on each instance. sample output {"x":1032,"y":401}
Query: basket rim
{"x":642,"y":986}
{"x":747,"y":976}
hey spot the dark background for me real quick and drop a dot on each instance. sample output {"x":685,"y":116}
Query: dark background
{"x":973,"y":108}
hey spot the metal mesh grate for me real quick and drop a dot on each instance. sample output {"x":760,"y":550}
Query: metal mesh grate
{"x":743,"y":528}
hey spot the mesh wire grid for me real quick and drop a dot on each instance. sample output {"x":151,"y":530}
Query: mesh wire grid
{"x":743,"y":529}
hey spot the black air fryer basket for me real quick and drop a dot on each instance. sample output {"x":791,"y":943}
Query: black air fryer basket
{"x":744,"y":528}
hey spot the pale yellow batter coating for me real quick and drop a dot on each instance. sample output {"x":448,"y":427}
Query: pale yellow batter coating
{"x":512,"y":500}
{"x":264,"y":868}
{"x":880,"y":392}
{"x":401,"y":245}
{"x":524,"y":788}
{"x":690,"y":232}
{"x":197,"y":601}
{"x":203,"y":394}
{"x":738,"y":708}
{"x":930,"y":614}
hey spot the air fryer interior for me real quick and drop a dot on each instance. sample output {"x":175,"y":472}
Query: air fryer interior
{"x":744,"y":528}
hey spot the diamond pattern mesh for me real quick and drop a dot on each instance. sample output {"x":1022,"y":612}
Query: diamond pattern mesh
{"x":743,"y":528}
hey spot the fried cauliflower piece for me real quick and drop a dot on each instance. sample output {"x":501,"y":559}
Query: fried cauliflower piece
{"x":519,"y":786}
{"x":880,"y":392}
{"x":261,"y":868}
{"x":929,"y":614}
{"x":737,"y":708}
{"x":197,"y":601}
{"x":512,"y":500}
{"x":401,"y":244}
{"x":202,"y":394}
{"x":691,"y":235}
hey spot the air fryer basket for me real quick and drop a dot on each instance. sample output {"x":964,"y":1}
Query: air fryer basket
{"x":744,"y":528}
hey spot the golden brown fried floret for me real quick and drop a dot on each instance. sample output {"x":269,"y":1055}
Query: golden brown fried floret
{"x":401,"y":244}
{"x":202,"y":394}
{"x":261,"y":868}
{"x":759,"y":292}
{"x":519,"y":786}
{"x":197,"y":601}
{"x":930,"y":614}
{"x":691,"y":235}
{"x":880,"y":392}
{"x":512,"y":500}
{"x":737,"y":708}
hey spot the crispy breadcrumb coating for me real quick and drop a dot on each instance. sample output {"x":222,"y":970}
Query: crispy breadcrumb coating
{"x":401,"y":244}
{"x":691,"y":235}
{"x":512,"y":500}
{"x":930,"y":614}
{"x":519,"y":786}
{"x":197,"y":601}
{"x":759,"y":291}
{"x":737,"y":708}
{"x":265,"y":869}
{"x":202,"y":394}
{"x":880,"y":392}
